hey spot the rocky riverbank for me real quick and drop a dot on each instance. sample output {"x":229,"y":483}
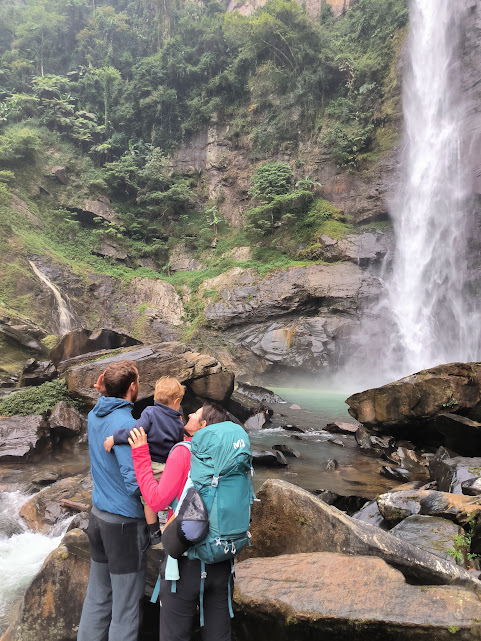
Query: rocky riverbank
{"x":402,"y":567}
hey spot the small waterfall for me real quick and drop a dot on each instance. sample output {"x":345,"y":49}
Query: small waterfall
{"x":21,"y":553}
{"x":66,"y":320}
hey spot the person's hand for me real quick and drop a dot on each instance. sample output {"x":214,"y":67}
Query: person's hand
{"x":109,"y":443}
{"x":100,"y":385}
{"x":137,"y":438}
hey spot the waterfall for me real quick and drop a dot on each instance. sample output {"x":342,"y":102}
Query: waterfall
{"x":426,"y":315}
{"x":66,"y":320}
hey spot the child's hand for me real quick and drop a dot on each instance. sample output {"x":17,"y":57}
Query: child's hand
{"x":137,"y":438}
{"x":109,"y":443}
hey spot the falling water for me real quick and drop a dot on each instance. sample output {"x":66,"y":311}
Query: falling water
{"x":433,"y":318}
{"x":66,"y":321}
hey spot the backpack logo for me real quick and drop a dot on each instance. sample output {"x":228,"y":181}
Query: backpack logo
{"x":239,"y":443}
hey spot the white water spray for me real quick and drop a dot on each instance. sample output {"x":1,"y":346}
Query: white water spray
{"x":434,"y":320}
{"x":66,"y":320}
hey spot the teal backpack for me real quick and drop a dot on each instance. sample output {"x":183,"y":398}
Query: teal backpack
{"x":221,"y":470}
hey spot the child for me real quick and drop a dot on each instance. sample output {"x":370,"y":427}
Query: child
{"x":163,"y":425}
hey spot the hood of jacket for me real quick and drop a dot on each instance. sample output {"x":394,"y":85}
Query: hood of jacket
{"x":107,"y":404}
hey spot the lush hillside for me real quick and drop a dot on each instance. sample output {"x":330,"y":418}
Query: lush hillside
{"x":105,"y":94}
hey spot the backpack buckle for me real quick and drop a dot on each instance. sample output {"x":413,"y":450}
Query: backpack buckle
{"x":215,"y":481}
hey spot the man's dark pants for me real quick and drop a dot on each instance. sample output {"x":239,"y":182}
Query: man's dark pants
{"x":112,"y":607}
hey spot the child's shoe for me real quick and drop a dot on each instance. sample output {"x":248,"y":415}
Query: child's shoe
{"x":156,"y":540}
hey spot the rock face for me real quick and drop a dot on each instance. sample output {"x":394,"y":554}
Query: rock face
{"x":152,"y":361}
{"x":419,"y":397}
{"x":362,"y":249}
{"x":20,"y":436}
{"x":289,"y":520}
{"x":317,"y":596}
{"x":245,"y":297}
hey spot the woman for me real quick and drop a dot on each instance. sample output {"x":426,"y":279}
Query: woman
{"x":178,"y":608}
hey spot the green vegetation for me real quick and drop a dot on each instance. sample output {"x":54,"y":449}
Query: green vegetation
{"x":36,"y":400}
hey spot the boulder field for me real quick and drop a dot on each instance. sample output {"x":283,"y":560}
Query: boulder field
{"x":312,"y":571}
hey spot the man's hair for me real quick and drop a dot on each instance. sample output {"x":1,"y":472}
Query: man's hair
{"x":167,"y":389}
{"x":118,"y":377}
{"x":212,"y":413}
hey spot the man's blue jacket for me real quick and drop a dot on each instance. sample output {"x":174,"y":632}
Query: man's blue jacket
{"x":115,"y":485}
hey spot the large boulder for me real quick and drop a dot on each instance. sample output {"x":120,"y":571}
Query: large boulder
{"x":436,"y":535}
{"x":290,"y":520}
{"x":395,"y":506}
{"x":450,"y":472}
{"x":216,"y":387}
{"x":65,"y":420}
{"x":361,"y":249}
{"x":415,"y":399}
{"x":21,"y":436}
{"x":37,"y":372}
{"x":83,"y":341}
{"x":52,"y":504}
{"x":152,"y":361}
{"x":332,"y":596}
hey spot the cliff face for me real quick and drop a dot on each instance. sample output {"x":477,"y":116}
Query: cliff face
{"x":246,"y":7}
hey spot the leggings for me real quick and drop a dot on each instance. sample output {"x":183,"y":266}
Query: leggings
{"x":178,"y":609}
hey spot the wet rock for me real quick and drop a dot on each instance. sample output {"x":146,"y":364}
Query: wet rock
{"x":472,"y":487}
{"x":20,"y":436}
{"x":295,"y":406}
{"x":290,"y":520}
{"x":316,"y":596}
{"x":80,"y":521}
{"x":396,"y":473}
{"x":381,"y":442}
{"x":395,"y":506}
{"x":37,"y":372}
{"x":417,"y":398}
{"x":258,"y":393}
{"x":44,"y":510}
{"x":44,"y":478}
{"x":411,"y":461}
{"x":293,"y":428}
{"x":65,"y":420}
{"x":152,"y":361}
{"x":363,"y":438}
{"x":243,"y":406}
{"x":331,"y":465}
{"x":450,"y":473}
{"x":216,"y":387}
{"x":268,"y":458}
{"x":286,"y":450}
{"x":461,"y":434}
{"x":256,"y":422}
{"x":434,"y":534}
{"x":339,"y":427}
{"x":369,"y":513}
{"x":83,"y":341}
{"x":9,"y":525}
{"x":24,"y":335}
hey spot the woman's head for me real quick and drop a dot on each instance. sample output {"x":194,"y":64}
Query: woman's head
{"x":208,"y":414}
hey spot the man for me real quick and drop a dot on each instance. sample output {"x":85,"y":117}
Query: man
{"x":117,"y":530}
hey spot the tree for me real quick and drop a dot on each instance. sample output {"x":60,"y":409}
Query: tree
{"x":270,"y":180}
